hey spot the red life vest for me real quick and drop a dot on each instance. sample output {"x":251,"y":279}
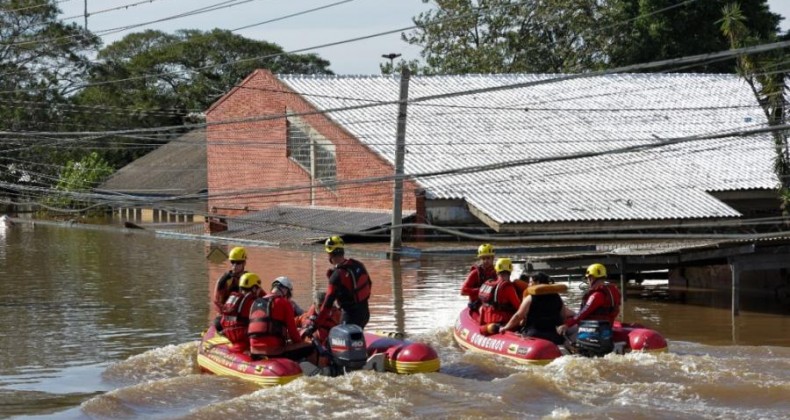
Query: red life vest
{"x":484,"y":275}
{"x":355,"y":280}
{"x":226,"y":285}
{"x":261,"y":322}
{"x":323,"y":325}
{"x":234,"y":319}
{"x":489,"y":292}
{"x":612,"y":304}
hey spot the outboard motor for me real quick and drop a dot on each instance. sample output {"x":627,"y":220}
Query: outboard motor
{"x":347,"y":347}
{"x":594,"y":338}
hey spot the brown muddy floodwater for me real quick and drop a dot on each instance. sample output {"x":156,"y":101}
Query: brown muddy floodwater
{"x":102,"y":323}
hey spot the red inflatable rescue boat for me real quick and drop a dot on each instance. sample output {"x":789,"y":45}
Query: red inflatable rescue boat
{"x":522,"y":349}
{"x":387,"y":352}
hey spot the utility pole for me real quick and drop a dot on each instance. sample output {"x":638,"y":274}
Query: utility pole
{"x":396,"y":241}
{"x":86,"y":15}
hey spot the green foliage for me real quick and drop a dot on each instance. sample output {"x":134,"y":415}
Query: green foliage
{"x":769,"y":87}
{"x":659,"y":31}
{"x":413,"y":65}
{"x":79,"y":177}
{"x":169,"y":77}
{"x":184,"y":72}
{"x":503,"y":36}
{"x":40,"y":61}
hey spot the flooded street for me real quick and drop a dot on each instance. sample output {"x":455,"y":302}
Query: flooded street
{"x":102,"y":323}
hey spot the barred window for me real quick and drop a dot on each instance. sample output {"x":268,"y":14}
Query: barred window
{"x":304,"y":145}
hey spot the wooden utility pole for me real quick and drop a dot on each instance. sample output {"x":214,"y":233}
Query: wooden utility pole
{"x":396,"y":241}
{"x":313,"y":169}
{"x":735,"y":268}
{"x":86,"y":15}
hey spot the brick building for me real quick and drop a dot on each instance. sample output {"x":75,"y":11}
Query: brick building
{"x":510,"y":153}
{"x":263,"y":159}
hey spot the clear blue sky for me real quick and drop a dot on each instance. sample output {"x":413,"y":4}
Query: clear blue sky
{"x":346,"y":20}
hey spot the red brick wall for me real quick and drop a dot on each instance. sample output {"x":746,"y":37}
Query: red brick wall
{"x":247,"y":163}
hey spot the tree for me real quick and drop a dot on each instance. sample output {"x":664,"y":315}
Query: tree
{"x":506,"y":36}
{"x":770,"y":87}
{"x":664,"y":29}
{"x":40,"y":60}
{"x":79,"y":177}
{"x":185,"y":71}
{"x":396,"y":68}
{"x":502,"y":36}
{"x":154,"y":79}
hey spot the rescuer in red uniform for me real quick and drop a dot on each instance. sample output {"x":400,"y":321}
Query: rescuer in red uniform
{"x":479,"y":274}
{"x":349,"y":286}
{"x":229,"y":282}
{"x":235,"y":313}
{"x":499,"y":298}
{"x":600,"y":303}
{"x":272,"y":328}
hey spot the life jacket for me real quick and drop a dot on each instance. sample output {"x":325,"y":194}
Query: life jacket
{"x":261,"y":322}
{"x":323,"y":325}
{"x":226,"y":285}
{"x":356,"y":283}
{"x":489,"y":292}
{"x":483,"y":275}
{"x":612,"y":303}
{"x":234,"y":321}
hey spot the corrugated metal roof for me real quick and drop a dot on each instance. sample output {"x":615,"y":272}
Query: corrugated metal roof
{"x":559,"y":120}
{"x":301,"y":225}
{"x":175,"y":168}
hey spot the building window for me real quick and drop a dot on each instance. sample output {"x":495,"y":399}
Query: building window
{"x":312,"y":151}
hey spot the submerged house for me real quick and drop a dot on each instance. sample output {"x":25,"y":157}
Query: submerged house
{"x":167,"y":185}
{"x":510,"y":153}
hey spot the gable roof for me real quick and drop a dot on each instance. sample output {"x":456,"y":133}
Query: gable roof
{"x":174,"y":169}
{"x":554,"y":120}
{"x":290,"y":224}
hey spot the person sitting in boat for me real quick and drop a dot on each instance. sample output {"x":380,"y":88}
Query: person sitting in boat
{"x":601,"y":302}
{"x":272,"y":329}
{"x":499,"y":298}
{"x":480,"y":273}
{"x":522,"y":283}
{"x":541,"y":310}
{"x":349,"y":285}
{"x":229,"y":282}
{"x":235,"y":313}
{"x":311,"y":316}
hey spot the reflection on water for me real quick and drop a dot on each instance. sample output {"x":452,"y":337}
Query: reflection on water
{"x":102,"y":323}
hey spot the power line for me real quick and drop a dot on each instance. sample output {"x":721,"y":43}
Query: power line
{"x":304,"y":12}
{"x":35,"y":6}
{"x":206,"y":9}
{"x":560,"y":78}
{"x":98,"y":12}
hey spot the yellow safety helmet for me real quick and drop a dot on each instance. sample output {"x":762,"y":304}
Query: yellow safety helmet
{"x":333,"y":244}
{"x":249,"y":280}
{"x":485,"y":250}
{"x":503,"y":264}
{"x":237,"y":254}
{"x":596,"y":270}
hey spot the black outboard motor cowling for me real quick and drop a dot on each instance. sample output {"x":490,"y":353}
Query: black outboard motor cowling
{"x":347,"y":346}
{"x":594,"y":338}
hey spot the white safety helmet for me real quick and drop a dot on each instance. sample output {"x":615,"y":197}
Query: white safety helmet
{"x":285,"y":282}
